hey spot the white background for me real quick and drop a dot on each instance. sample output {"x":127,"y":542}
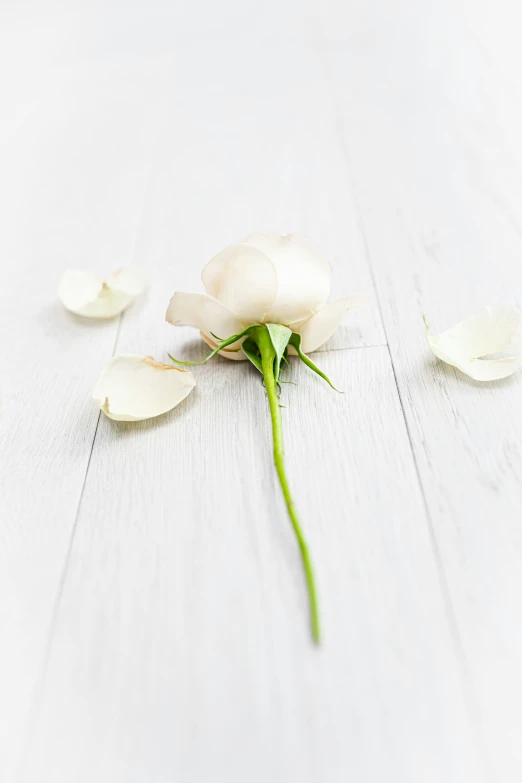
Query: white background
{"x":153,"y":613}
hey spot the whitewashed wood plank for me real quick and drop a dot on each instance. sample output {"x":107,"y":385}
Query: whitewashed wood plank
{"x":440,"y":200}
{"x":182,"y":628}
{"x":71,"y":194}
{"x":77,"y":165}
{"x":287,"y":150}
{"x":252,"y":149}
{"x":181,"y":648}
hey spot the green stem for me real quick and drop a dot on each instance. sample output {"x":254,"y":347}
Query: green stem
{"x":268,"y":356}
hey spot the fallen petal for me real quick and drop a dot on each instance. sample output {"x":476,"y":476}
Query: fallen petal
{"x":129,"y":280}
{"x":468,"y":344}
{"x":133,"y":388}
{"x":78,"y":289}
{"x":84,"y":293}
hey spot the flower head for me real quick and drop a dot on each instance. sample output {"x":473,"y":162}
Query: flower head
{"x":266,"y":278}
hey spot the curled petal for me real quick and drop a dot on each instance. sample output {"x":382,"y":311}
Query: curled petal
{"x":236,"y":355}
{"x":128,"y":280}
{"x":84,"y":293}
{"x":132,"y":388}
{"x":491,"y":331}
{"x":244,"y":279}
{"x":303,"y":275}
{"x":320,"y":327}
{"x":78,"y":290}
{"x":205,"y":313}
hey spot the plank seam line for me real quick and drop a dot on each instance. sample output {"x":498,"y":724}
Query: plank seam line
{"x":351,"y":348}
{"x":35,"y":705}
{"x":468,"y":689}
{"x":449,"y":608}
{"x":40,"y":680}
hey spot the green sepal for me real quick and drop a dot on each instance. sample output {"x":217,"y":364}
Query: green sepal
{"x":280,"y":336}
{"x":251,"y":350}
{"x":295,"y":342}
{"x":219,"y":348}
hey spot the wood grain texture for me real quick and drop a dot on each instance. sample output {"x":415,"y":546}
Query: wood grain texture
{"x":438,"y":187}
{"x":181,"y":647}
{"x":149,"y":583}
{"x":108,"y":160}
{"x":71,"y":195}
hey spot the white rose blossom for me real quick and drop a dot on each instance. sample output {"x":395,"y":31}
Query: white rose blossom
{"x":266,"y":278}
{"x":265,"y":298}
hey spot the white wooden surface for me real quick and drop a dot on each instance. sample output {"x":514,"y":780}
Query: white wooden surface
{"x":152,"y":606}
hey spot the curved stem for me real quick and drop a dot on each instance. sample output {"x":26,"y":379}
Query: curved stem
{"x":267,"y":361}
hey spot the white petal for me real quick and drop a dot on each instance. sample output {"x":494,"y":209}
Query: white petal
{"x":303,"y":275}
{"x":320,"y":327}
{"x":129,"y":280}
{"x":205,"y":313}
{"x":84,"y":293}
{"x":493,"y":330}
{"x":132,"y":388}
{"x":237,"y":355}
{"x":244,"y":280}
{"x":77,"y":289}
